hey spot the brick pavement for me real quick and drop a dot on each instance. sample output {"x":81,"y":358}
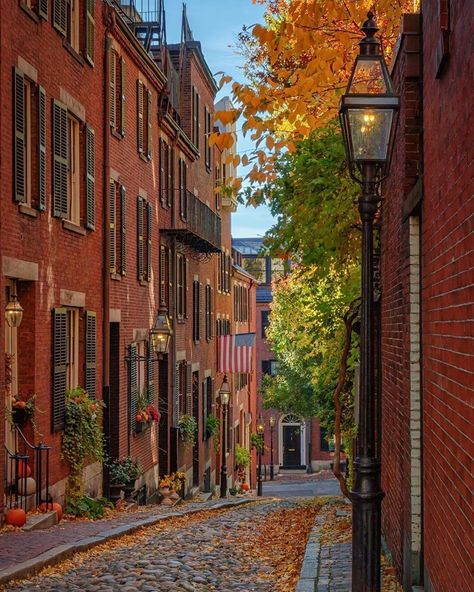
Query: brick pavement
{"x":335,"y":568}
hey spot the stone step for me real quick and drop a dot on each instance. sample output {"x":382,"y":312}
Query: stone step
{"x":38,"y":521}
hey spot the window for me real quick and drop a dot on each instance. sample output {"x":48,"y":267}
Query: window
{"x":270,"y":367}
{"x":39,"y":6}
{"x":209,"y":311}
{"x":72,"y":376}
{"x":207,"y":388}
{"x":144,"y":108}
{"x":265,"y":316}
{"x":144,"y":239}
{"x":165,"y":276}
{"x":207,"y":132}
{"x":141,"y":378}
{"x":117,"y":93}
{"x":240,"y":304}
{"x":66,"y":18}
{"x":183,"y":197}
{"x":323,"y":440}
{"x":67,"y":162}
{"x":73,"y":177}
{"x":117,"y":228}
{"x":196,"y":311}
{"x":72,"y":23}
{"x":181,"y":288}
{"x":242,"y":379}
{"x":195,"y":131}
{"x":256,"y":267}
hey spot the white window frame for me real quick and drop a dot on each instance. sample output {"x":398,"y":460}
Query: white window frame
{"x":72,"y":375}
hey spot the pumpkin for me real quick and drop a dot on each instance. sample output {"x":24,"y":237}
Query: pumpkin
{"x":245,"y":486}
{"x":44,"y":507}
{"x":139,"y":418}
{"x":24,"y":469}
{"x":16,"y":517}
{"x":19,"y":405}
{"x":26,"y":486}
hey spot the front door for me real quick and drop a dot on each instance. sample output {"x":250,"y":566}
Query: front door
{"x":291,"y":446}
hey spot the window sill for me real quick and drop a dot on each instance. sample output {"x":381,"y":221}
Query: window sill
{"x":116,"y":134}
{"x":116,"y":276}
{"x":143,"y":157}
{"x":77,"y":56}
{"x":67,"y":225}
{"x":27,"y":210}
{"x":29,"y":12}
{"x":144,"y":283}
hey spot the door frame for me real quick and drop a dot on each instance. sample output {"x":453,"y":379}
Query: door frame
{"x":291,"y":419}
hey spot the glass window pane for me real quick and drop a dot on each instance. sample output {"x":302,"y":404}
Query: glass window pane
{"x":256,"y":266}
{"x":370,"y":133}
{"x":368,"y":78}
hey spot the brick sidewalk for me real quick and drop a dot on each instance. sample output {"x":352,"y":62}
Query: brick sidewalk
{"x":17,"y":547}
{"x":335,"y":568}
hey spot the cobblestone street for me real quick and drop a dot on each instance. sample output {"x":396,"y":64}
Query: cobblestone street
{"x":203,"y":554}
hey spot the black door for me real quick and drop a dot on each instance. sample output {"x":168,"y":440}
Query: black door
{"x":291,"y":446}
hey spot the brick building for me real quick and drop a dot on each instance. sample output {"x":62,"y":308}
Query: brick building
{"x":298,"y":442}
{"x":113,"y":207}
{"x":427,"y":292}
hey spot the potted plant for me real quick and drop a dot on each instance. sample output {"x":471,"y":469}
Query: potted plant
{"x":187,"y":427}
{"x":123,"y":474}
{"x":23,"y":409}
{"x":242,"y":461}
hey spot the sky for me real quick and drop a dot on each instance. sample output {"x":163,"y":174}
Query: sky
{"x":216,"y":24}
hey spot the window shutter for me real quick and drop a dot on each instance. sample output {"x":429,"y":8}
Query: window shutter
{"x":140,"y":269}
{"x":176,"y":389}
{"x":60,"y":159}
{"x":90,"y":178}
{"x":19,"y":140}
{"x":41,"y":147}
{"x":112,"y":88}
{"x":150,"y":375}
{"x":189,"y":389}
{"x":185,"y":284}
{"x":169,"y":196}
{"x":140,"y":90}
{"x":59,"y":15}
{"x":196,"y":311}
{"x":161,"y":178}
{"x":90,"y":354}
{"x":90,"y":31}
{"x":149,"y":223}
{"x":200,"y":312}
{"x":59,"y":368}
{"x":112,"y":219}
{"x":123,"y":85}
{"x":211,"y":319}
{"x":162,"y":273}
{"x":43,"y":9}
{"x":132,"y":386}
{"x":123,"y":236}
{"x":148,"y":123}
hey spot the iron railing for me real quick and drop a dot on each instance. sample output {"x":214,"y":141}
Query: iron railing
{"x":196,"y":224}
{"x":23,"y":461}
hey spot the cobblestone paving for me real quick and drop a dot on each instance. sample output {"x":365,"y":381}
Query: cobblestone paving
{"x":202,"y":557}
{"x":335,"y":568}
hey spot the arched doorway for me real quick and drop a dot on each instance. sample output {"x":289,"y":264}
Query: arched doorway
{"x":292,"y":442}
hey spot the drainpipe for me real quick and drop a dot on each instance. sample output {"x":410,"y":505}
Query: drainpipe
{"x":106,"y":254}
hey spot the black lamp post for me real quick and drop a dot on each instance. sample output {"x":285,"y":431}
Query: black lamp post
{"x":272,"y":426}
{"x":260,"y":432}
{"x":225,"y":396}
{"x":368,"y":114}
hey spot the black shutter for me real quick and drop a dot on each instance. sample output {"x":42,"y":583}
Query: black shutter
{"x":162,"y":174}
{"x":41,"y":205}
{"x":140,"y":123}
{"x":185,"y":286}
{"x":189,"y":389}
{"x":90,"y":354}
{"x":162,"y":273}
{"x":112,"y":88}
{"x":90,"y":31}
{"x":169,"y":195}
{"x":59,"y":16}
{"x":43,"y":9}
{"x":122,"y":96}
{"x":112,"y":220}
{"x":176,"y":393}
{"x":123,"y":227}
{"x":150,"y":375}
{"x":90,"y":178}
{"x":149,"y":230}
{"x":201,"y":312}
{"x":60,"y":361}
{"x":148,"y":124}
{"x":60,"y":159}
{"x":19,"y":146}
{"x":132,"y":386}
{"x":204,"y":409}
{"x":140,"y":269}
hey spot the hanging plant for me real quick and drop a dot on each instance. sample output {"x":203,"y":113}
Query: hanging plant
{"x":213,"y":424}
{"x":187,"y":427}
{"x":82,"y":439}
{"x":256,"y":441}
{"x":242,"y":457}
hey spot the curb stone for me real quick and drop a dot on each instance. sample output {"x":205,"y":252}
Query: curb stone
{"x":61,"y":552}
{"x":309,"y":574}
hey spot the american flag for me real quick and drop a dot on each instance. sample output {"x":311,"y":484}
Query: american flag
{"x":235,"y":352}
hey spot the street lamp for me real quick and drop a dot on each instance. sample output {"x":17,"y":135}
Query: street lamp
{"x":272,"y":425}
{"x":368,"y":114}
{"x":260,"y":432}
{"x":160,"y":333}
{"x":13,"y":311}
{"x":224,"y":397}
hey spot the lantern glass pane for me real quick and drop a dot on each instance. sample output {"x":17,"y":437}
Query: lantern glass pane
{"x":368,"y":78}
{"x":370,"y":133}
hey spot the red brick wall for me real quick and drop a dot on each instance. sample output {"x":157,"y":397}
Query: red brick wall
{"x":65,"y":260}
{"x":448,"y":279}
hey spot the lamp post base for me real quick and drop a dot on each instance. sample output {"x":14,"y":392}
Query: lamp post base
{"x":224,"y":482}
